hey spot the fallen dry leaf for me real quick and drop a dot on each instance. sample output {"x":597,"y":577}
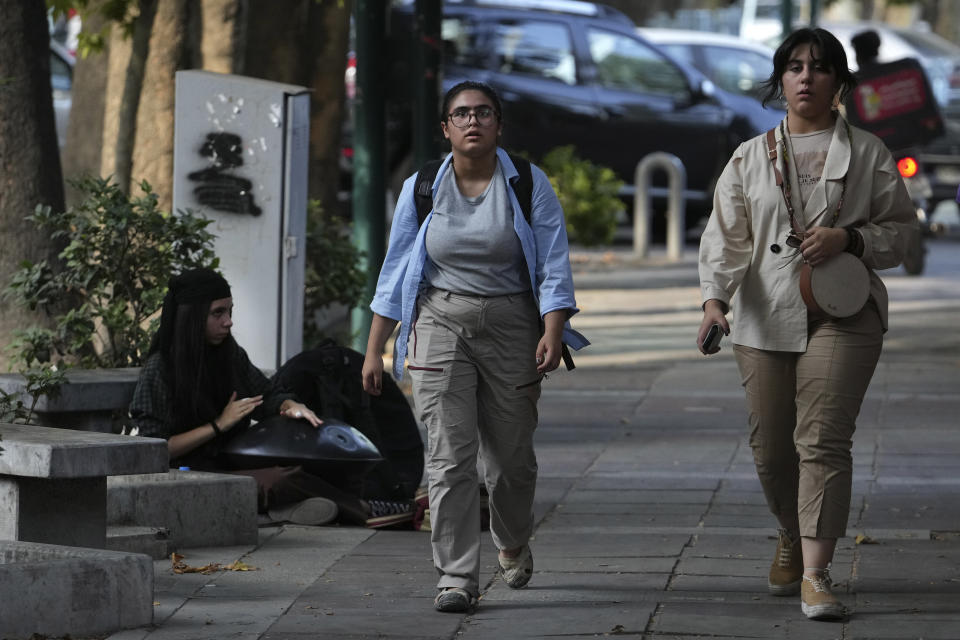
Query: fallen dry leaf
{"x":864,"y":539}
{"x":181,"y":567}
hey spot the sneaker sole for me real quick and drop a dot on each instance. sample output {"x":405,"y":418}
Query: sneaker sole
{"x":823,"y":611}
{"x":387,"y":521}
{"x":781,"y":590}
{"x":519,"y":583}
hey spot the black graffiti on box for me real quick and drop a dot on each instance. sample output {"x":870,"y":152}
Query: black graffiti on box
{"x":219,"y":187}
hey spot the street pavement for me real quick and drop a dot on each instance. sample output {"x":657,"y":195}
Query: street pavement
{"x":650,"y":520}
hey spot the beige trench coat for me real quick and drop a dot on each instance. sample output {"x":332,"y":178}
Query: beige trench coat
{"x":737,"y":263}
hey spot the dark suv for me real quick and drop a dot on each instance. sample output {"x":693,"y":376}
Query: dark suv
{"x":582,"y":75}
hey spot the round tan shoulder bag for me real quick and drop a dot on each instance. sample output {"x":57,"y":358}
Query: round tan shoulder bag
{"x":838,"y":287}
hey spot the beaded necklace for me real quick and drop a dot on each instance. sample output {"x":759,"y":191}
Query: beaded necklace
{"x":795,"y":236}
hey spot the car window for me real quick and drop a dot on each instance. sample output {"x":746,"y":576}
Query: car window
{"x":625,"y":63}
{"x":736,"y":70}
{"x":461,"y":42}
{"x":60,"y":73}
{"x":535,"y":48}
{"x":680,"y":52}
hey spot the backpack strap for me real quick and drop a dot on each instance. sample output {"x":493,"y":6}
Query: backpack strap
{"x":423,"y":188}
{"x":523,"y":185}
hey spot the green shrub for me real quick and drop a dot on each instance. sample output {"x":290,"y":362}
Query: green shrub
{"x":588,"y":195}
{"x":105,"y":293}
{"x":43,"y":381}
{"x":333,"y":273}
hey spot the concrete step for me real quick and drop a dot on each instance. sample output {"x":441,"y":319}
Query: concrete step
{"x":196,"y":508}
{"x":151,"y":541}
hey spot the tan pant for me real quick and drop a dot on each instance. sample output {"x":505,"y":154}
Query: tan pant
{"x":472,"y":361}
{"x":803,"y":410}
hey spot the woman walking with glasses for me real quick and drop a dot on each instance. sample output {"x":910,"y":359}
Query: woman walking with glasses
{"x":801,"y":197}
{"x":483,"y":299}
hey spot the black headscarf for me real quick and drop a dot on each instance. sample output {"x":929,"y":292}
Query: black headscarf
{"x":196,"y":285}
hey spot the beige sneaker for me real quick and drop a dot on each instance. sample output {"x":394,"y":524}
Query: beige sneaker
{"x":787,"y":568}
{"x":817,"y":601}
{"x":516,"y":571}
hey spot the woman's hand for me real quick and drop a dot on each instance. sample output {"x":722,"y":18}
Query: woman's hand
{"x":713,"y":313}
{"x":550,"y":347}
{"x":299,"y":411}
{"x":372,"y":373}
{"x":237,"y":409}
{"x":822,"y":243}
{"x":549,"y":352}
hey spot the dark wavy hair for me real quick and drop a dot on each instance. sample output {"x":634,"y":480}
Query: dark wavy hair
{"x":470,"y":85}
{"x":825,"y":48}
{"x":200,"y":376}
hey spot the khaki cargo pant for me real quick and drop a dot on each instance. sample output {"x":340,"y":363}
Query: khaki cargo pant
{"x":803,"y":410}
{"x":472,"y":361}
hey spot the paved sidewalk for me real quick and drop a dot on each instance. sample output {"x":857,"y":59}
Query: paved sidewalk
{"x":651,"y":522}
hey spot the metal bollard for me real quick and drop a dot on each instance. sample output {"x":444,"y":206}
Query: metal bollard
{"x":643,"y":206}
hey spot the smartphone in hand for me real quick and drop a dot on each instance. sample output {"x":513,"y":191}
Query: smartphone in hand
{"x":712,"y":341}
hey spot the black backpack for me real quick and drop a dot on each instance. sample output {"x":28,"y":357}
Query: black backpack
{"x":328,"y":380}
{"x":522,"y":187}
{"x":423,"y":189}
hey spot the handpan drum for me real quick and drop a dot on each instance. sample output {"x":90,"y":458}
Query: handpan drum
{"x":838,"y":287}
{"x":333,"y":447}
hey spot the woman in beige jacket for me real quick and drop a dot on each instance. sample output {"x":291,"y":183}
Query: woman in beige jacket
{"x":805,"y":373}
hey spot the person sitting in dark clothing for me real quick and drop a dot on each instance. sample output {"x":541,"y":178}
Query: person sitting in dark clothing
{"x":199,"y":390}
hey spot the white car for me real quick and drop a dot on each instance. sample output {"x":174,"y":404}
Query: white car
{"x":733,"y":64}
{"x":61,"y":83}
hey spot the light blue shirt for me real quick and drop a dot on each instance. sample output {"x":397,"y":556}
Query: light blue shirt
{"x":544,"y":244}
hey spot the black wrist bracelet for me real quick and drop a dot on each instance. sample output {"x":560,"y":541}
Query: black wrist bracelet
{"x":854,"y":242}
{"x":216,"y":428}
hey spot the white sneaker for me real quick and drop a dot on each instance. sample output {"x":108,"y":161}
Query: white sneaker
{"x":312,"y":511}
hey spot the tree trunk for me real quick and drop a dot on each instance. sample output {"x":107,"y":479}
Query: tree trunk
{"x":169,"y":52}
{"x":305,"y":42}
{"x":30,"y":171}
{"x":278,"y":34}
{"x":82,"y":153}
{"x":222,"y":34}
{"x":131,"y":97}
{"x":330,"y":38}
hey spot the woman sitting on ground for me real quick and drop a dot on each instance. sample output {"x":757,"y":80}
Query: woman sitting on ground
{"x":198,"y":389}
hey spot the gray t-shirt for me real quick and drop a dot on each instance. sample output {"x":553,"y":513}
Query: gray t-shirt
{"x":471,"y":243}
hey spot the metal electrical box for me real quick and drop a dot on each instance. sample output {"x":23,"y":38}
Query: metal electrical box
{"x":241,"y":150}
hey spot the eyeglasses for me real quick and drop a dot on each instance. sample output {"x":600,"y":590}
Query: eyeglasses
{"x":460,"y":118}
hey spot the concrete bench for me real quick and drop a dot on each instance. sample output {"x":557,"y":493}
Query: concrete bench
{"x":53,"y":482}
{"x":91,"y":400}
